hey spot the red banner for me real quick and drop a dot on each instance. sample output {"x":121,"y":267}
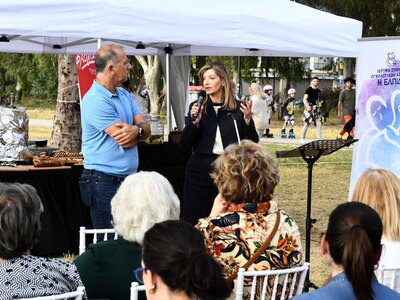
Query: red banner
{"x":86,"y":70}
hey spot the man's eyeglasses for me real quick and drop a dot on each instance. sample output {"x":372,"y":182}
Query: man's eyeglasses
{"x":139,"y":274}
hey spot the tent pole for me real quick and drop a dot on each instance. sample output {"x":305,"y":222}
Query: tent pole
{"x":168,"y":52}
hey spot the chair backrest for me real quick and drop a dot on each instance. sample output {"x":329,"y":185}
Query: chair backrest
{"x":287,"y":279}
{"x":135,"y":289}
{"x":77,"y":295}
{"x":389,"y":277}
{"x":83,"y":232}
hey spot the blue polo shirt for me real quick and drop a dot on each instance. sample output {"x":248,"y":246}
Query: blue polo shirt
{"x":101,"y":109}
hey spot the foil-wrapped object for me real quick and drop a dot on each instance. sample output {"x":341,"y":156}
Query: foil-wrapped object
{"x":14,"y":128}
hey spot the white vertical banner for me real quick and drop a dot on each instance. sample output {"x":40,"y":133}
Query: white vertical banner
{"x":378,"y":107}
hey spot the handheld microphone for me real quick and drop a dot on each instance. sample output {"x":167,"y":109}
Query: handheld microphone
{"x":200,"y":100}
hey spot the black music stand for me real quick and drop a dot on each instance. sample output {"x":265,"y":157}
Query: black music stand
{"x":311,"y":152}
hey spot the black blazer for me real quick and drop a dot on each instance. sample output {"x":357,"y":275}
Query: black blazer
{"x":201,"y":138}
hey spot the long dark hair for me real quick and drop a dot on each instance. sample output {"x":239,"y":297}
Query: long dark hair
{"x":354,"y":237}
{"x":176,"y":252}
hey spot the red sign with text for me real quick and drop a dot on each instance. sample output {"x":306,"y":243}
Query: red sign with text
{"x":86,"y":70}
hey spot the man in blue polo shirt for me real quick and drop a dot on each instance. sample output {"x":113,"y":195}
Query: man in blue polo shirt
{"x":111,"y":128}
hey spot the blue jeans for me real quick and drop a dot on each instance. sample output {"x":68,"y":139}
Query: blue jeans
{"x":97,"y":190}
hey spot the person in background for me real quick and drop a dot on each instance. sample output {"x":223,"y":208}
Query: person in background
{"x":244,"y":215}
{"x":347,"y":107}
{"x":111,"y":129}
{"x":21,"y":274}
{"x":220,"y":121}
{"x":380,"y":189}
{"x":140,"y":102}
{"x":107,"y":267}
{"x":352,"y":245}
{"x":259,"y":108}
{"x":176,"y":265}
{"x":312,"y":111}
{"x":288,"y":114}
{"x":270,"y":101}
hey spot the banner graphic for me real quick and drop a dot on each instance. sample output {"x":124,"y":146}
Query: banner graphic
{"x":378,"y":108}
{"x":86,"y":70}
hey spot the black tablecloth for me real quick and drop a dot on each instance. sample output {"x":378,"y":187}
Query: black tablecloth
{"x":64,"y":211}
{"x":167,"y":159}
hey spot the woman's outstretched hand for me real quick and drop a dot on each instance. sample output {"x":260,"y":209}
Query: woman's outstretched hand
{"x":245,"y":108}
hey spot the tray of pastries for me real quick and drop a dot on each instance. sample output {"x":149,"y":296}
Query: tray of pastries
{"x":58,"y":159}
{"x":69,"y":158}
{"x":47,"y":161}
{"x":65,"y":154}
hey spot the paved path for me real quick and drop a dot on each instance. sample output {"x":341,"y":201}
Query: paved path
{"x":40,"y":122}
{"x":283,"y":141}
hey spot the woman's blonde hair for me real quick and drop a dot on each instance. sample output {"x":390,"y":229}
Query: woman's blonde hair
{"x":257,"y":89}
{"x":380,"y":189}
{"x":245,"y":173}
{"x":222,"y":72}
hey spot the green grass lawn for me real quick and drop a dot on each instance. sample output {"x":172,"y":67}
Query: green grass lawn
{"x":40,"y":132}
{"x":330,"y":187}
{"x":40,"y":113}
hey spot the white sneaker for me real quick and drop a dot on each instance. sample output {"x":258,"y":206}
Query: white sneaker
{"x":302,"y":141}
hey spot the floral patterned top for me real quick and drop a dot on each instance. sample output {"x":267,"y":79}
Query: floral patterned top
{"x":32,"y":276}
{"x":233,"y":237}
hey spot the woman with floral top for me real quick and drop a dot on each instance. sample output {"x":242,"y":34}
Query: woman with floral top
{"x":243,"y":215}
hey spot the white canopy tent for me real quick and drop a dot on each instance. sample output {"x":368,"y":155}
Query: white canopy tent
{"x":177,"y":27}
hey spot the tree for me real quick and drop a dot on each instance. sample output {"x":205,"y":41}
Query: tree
{"x":66,"y":133}
{"x":152,"y":73}
{"x":380,"y":18}
{"x":15,"y":68}
{"x":28,"y":75}
{"x":43,"y":76}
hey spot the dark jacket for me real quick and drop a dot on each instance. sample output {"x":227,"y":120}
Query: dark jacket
{"x":201,"y":138}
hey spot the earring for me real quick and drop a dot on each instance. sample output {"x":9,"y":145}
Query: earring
{"x":152,"y":290}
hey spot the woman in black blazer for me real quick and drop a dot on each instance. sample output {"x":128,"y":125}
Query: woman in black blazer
{"x":219,"y":121}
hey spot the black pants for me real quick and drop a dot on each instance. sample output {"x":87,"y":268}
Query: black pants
{"x":199,"y":191}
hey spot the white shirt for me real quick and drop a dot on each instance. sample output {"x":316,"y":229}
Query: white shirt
{"x":218,"y":146}
{"x":390,"y":258}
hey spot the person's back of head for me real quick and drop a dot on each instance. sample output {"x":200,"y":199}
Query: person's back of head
{"x":20,"y":209}
{"x":380,"y":189}
{"x":354,"y":238}
{"x":142,"y":200}
{"x":175,"y":251}
{"x":257,"y":90}
{"x":245,"y":172}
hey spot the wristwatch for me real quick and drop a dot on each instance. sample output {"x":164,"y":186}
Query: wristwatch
{"x":140,"y":131}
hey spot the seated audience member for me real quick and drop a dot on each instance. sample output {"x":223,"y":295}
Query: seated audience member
{"x":380,"y":189}
{"x":352,"y":245}
{"x":107,"y":267}
{"x":21,"y":274}
{"x":244,"y":215}
{"x":176,"y":265}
